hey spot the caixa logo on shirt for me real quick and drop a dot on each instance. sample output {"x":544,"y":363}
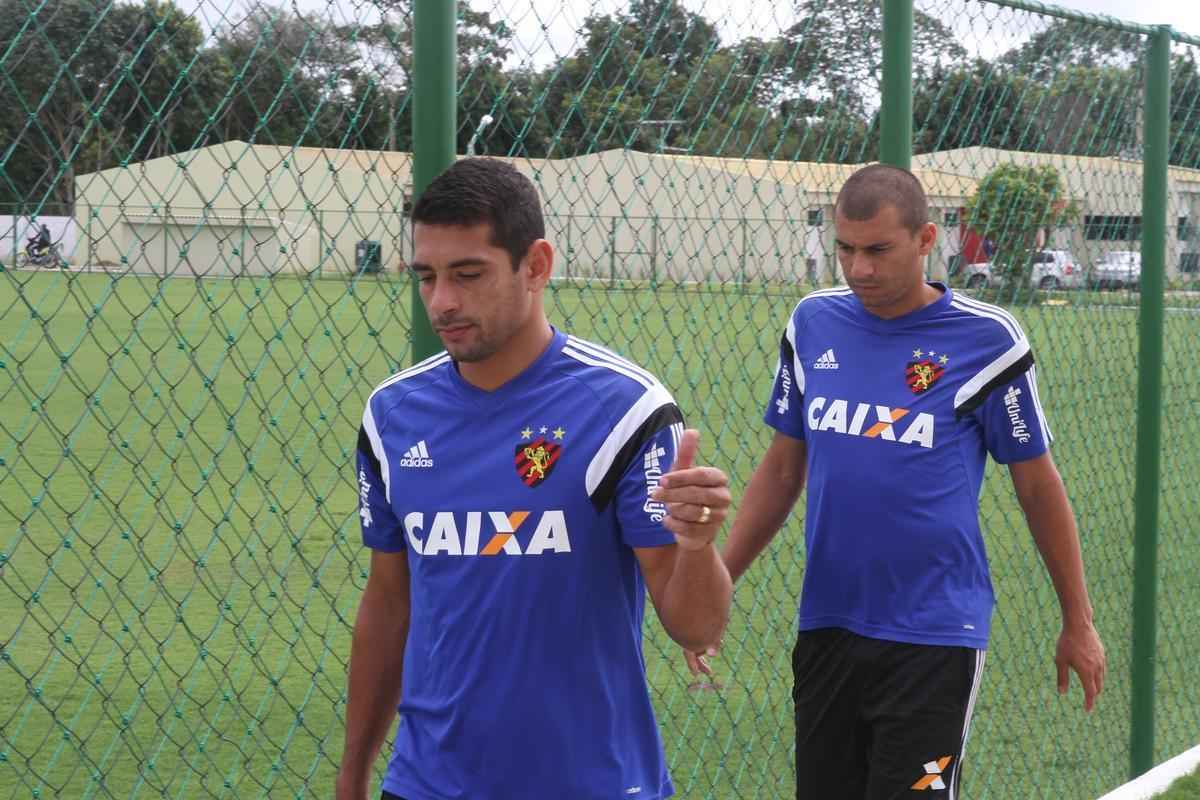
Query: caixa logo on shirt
{"x":871,"y":421}
{"x":453,"y":533}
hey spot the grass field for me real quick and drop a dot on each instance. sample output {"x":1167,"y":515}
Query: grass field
{"x":180,"y":557}
{"x":1186,"y":788}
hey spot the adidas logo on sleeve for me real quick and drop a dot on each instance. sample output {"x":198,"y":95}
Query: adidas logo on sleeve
{"x":827,"y":360}
{"x":417,"y":456}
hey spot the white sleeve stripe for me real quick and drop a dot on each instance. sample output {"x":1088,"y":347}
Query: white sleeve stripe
{"x":1047,"y":436}
{"x":991,"y":312}
{"x":995,"y":313}
{"x":1014,"y":333}
{"x":834,"y":292}
{"x":578,"y":356}
{"x":989,"y":307}
{"x":797,"y":367}
{"x":654,"y":398}
{"x":608,"y":355}
{"x":368,"y":423}
{"x":413,"y":371}
{"x":991,"y":371}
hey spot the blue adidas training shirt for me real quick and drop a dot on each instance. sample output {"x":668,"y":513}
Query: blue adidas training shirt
{"x":898,"y":417}
{"x":518,"y":511}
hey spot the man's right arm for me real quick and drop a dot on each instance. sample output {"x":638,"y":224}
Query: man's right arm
{"x":773,"y":490}
{"x":376,"y":666}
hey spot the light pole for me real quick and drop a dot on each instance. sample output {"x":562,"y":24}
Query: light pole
{"x":484,"y":121}
{"x":666,"y":125}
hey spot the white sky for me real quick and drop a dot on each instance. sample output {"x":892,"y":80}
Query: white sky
{"x":1183,"y":15}
{"x":546,"y":29}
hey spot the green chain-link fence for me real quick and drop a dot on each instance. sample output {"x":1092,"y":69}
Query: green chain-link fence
{"x":179,"y":550}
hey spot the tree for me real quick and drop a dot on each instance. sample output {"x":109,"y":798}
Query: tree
{"x":1082,"y":111}
{"x":646,"y":79}
{"x":1185,"y":111}
{"x":975,"y":105}
{"x":291,"y":76}
{"x":840,"y":51}
{"x":1012,"y":207}
{"x":87,"y":87}
{"x":658,"y":78}
{"x":385,"y":84}
{"x":1071,"y":43}
{"x":154,"y":109}
{"x":1092,"y":111}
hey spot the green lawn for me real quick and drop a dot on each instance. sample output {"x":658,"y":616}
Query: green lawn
{"x":180,"y":558}
{"x":1186,"y":788}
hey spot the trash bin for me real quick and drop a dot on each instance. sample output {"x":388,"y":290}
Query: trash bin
{"x":368,"y":256}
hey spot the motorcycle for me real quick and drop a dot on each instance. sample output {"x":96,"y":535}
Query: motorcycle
{"x":40,"y":256}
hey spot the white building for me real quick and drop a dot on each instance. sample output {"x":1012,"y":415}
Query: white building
{"x":237,"y":208}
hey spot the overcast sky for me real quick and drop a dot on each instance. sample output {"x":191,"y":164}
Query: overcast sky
{"x":546,"y":29}
{"x":1183,"y":15}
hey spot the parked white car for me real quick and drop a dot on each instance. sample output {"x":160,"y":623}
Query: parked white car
{"x":1052,"y":269}
{"x":1118,"y":269}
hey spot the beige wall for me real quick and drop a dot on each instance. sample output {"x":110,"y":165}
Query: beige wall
{"x":234,"y":209}
{"x":241,"y":209}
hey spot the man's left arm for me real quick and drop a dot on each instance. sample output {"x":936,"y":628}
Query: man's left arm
{"x":1043,"y":498}
{"x":688,"y":582}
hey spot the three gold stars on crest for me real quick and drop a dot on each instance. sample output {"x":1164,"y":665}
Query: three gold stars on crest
{"x":942,"y":359}
{"x":558,"y":432}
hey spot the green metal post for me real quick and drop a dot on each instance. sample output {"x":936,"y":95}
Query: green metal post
{"x":434,"y":125}
{"x":1149,"y":398}
{"x":742,"y":263}
{"x":612,"y":252}
{"x":570,"y":248}
{"x":654,"y":252}
{"x":895,"y":111}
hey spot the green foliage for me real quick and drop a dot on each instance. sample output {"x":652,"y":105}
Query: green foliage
{"x":1012,"y":206}
{"x":1070,"y":42}
{"x":975,"y":105}
{"x":1185,"y":110}
{"x":1186,"y":788}
{"x":175,"y":662}
{"x":841,"y":51}
{"x":87,"y":86}
{"x":97,"y":85}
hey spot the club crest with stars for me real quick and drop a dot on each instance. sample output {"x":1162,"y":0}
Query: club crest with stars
{"x":537,"y":453}
{"x":924,"y":369}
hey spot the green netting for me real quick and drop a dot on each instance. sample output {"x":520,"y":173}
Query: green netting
{"x":227,"y":185}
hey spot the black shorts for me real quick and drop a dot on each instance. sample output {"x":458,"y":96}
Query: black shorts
{"x":389,"y":796}
{"x":877,"y":720}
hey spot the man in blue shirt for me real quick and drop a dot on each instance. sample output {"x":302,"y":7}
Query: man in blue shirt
{"x":518,"y":497}
{"x":888,"y":397}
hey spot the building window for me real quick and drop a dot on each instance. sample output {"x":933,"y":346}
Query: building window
{"x":816,"y":217}
{"x":1184,"y":230}
{"x":1112,"y":228}
{"x":951,"y":219}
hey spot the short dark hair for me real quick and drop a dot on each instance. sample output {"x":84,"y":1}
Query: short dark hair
{"x":869,"y":189}
{"x":486,"y":190}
